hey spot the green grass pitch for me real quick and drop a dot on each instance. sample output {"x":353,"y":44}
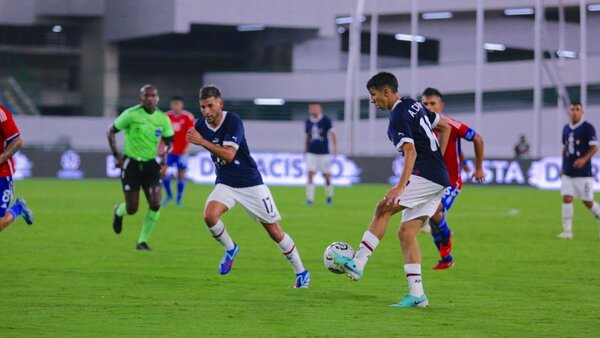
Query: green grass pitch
{"x":70,"y":275}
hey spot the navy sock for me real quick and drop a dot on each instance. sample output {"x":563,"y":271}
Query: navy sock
{"x":180,"y":188}
{"x":167,"y":183}
{"x":15,"y":210}
{"x":440,"y":231}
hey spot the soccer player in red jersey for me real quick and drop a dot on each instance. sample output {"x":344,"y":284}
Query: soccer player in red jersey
{"x":181,"y":120}
{"x":10,"y":143}
{"x":442,"y":236}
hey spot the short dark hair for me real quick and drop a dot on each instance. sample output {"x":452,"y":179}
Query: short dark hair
{"x":432,"y":92}
{"x":576,"y":103}
{"x":177,"y":98}
{"x":209,"y":91}
{"x":383,"y":79}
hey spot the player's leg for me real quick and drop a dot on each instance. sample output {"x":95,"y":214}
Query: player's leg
{"x":19,"y":208}
{"x":260,"y":205}
{"x":218,"y":202}
{"x":166,"y":180}
{"x":181,"y":168}
{"x":567,"y":192}
{"x":354,"y":266}
{"x":440,"y":231}
{"x":326,"y":170}
{"x":586,"y":193}
{"x":412,"y":263}
{"x":288,"y":248}
{"x":130,"y":181}
{"x":152,"y":191}
{"x":311,"y":168}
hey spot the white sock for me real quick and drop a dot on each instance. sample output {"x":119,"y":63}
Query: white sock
{"x":567,"y":217}
{"x":365,"y":249}
{"x":413,"y":276}
{"x":290,"y":252}
{"x":219,"y":232}
{"x":310,"y":192}
{"x":595,"y":210}
{"x":329,"y":190}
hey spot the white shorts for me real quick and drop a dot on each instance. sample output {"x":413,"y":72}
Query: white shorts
{"x":580,"y":187}
{"x":421,"y":197}
{"x":318,"y":162}
{"x":257,"y":201}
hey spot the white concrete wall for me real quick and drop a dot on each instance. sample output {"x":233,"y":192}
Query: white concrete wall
{"x":500,"y":131}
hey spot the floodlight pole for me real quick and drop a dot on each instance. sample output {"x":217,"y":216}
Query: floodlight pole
{"x":414,"y":50}
{"x":583,"y":44}
{"x":373,"y":52}
{"x":479,"y":58}
{"x":537,"y":76}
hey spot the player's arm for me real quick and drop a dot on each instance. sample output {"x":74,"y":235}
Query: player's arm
{"x":168,"y":142}
{"x":306,"y":143}
{"x":112,"y":143}
{"x":11,"y":148}
{"x":580,"y":162}
{"x":226,"y":153}
{"x":410,"y":155}
{"x":334,"y":142}
{"x":444,"y":130}
{"x":479,"y":174}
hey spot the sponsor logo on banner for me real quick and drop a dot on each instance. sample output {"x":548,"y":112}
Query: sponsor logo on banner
{"x":545,"y":173}
{"x":275,"y":168}
{"x":278,"y":169}
{"x":22,"y":166}
{"x":70,"y":162}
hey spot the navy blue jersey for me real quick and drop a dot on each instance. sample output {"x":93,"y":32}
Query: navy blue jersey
{"x":242,"y":172}
{"x":578,"y":140}
{"x":317,"y":132}
{"x":411,"y":123}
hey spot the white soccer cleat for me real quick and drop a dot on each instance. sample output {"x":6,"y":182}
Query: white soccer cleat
{"x":565,"y":235}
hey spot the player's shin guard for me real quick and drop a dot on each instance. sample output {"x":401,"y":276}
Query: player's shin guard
{"x":288,"y":248}
{"x":368,"y":244}
{"x":167,"y":184}
{"x":567,"y":217}
{"x":219,"y":233}
{"x":180,"y":188}
{"x":149,"y":223}
{"x":413,"y":277}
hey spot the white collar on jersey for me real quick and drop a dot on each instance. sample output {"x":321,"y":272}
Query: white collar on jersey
{"x":396,"y":103}
{"x":317,"y":119}
{"x":574,"y":126}
{"x":220,"y":124}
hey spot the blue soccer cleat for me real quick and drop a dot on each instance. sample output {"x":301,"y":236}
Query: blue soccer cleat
{"x":227,"y":261}
{"x":412,"y":301}
{"x":302,"y":280}
{"x":165,"y":201}
{"x":348,"y":265}
{"x":329,"y":201}
{"x":25,"y":211}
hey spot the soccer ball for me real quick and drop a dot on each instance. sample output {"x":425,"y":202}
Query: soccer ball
{"x":340,"y":248}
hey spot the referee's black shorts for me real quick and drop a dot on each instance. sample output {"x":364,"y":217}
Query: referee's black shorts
{"x":136,"y":174}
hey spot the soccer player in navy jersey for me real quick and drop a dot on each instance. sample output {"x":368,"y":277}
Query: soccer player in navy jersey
{"x":422,"y":183}
{"x":318,"y":129}
{"x":238,"y":181}
{"x":579,"y":145}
